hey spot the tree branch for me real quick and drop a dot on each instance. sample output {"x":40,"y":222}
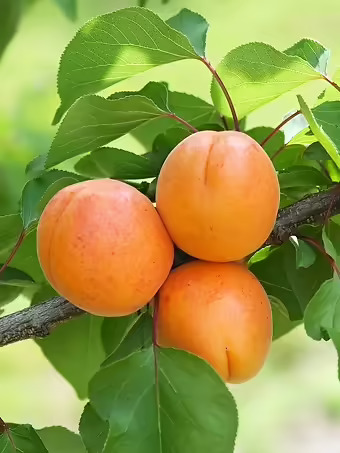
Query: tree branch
{"x":38,"y":321}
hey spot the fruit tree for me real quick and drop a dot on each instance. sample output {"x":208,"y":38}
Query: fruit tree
{"x":187,"y":261}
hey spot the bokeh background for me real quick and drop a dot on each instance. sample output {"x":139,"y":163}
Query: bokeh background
{"x":293,"y":405}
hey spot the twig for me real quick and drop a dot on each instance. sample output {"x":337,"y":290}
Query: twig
{"x":334,"y":84}
{"x":13,"y":252}
{"x":224,"y":90}
{"x":276,"y":130}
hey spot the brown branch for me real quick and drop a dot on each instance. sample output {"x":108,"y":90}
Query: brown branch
{"x":38,"y":321}
{"x":276,"y":130}
{"x":225,"y":92}
{"x":334,"y":84}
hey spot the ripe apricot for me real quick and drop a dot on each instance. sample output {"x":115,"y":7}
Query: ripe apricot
{"x":102,"y":246}
{"x":220,"y":312}
{"x":218,"y":195}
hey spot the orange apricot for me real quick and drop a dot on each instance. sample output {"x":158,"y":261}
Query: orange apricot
{"x":220,"y":312}
{"x":102,"y":246}
{"x":218,"y":195}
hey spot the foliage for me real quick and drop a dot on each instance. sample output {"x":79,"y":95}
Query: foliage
{"x":142,"y":398}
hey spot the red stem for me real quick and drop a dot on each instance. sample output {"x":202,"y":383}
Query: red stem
{"x":334,"y":84}
{"x":4,"y":428}
{"x":182,"y":121}
{"x":276,"y":130}
{"x":14,"y":251}
{"x":225,"y":92}
{"x":321,"y":249}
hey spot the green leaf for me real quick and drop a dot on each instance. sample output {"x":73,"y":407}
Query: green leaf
{"x":10,"y":230}
{"x":115,"y":163}
{"x":25,"y":439}
{"x":282,"y":280}
{"x":12,"y":283}
{"x":313,"y":52}
{"x":331,"y":93}
{"x":193,"y":26}
{"x":9,"y":20}
{"x":26,"y":258}
{"x":274,"y":144}
{"x":316,"y":151}
{"x":335,"y":337}
{"x":68,"y":7}
{"x":60,"y":440}
{"x":94,"y":121}
{"x":302,"y":176}
{"x":305,"y":255}
{"x":93,"y":430}
{"x":136,"y":338}
{"x":75,"y":350}
{"x":114,"y":331}
{"x":155,"y":91}
{"x":114,"y":47}
{"x":193,"y":410}
{"x":291,"y":155}
{"x":331,"y":240}
{"x":256,"y":74}
{"x":281,"y":322}
{"x":38,"y":192}
{"x":327,"y":134}
{"x":323,"y":311}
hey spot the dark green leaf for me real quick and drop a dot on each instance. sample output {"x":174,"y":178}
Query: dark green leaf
{"x":10,"y":13}
{"x":274,"y":144}
{"x":115,"y":163}
{"x":114,"y":331}
{"x":323,"y":121}
{"x":305,"y":255}
{"x":302,"y":176}
{"x":290,"y":156}
{"x":293,"y":287}
{"x":281,"y":322}
{"x":323,"y":311}
{"x":193,"y":26}
{"x":137,"y":337}
{"x":194,"y":411}
{"x":44,"y":293}
{"x":157,"y":92}
{"x":60,"y":440}
{"x":38,"y":192}
{"x":36,"y":167}
{"x":25,"y":439}
{"x":94,"y":121}
{"x":93,"y":430}
{"x":113,"y":47}
{"x":68,"y":7}
{"x":10,"y":230}
{"x":331,"y":240}
{"x":75,"y":350}
{"x":316,"y":151}
{"x":26,"y":258}
{"x":313,"y":52}
{"x":256,"y":74}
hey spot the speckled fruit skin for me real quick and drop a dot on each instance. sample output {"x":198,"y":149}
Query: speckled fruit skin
{"x":103,"y":246}
{"x":220,"y":312}
{"x":218,"y":195}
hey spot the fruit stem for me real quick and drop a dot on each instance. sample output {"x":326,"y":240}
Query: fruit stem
{"x":224,"y":90}
{"x":321,"y":249}
{"x":13,"y":252}
{"x":334,"y":84}
{"x":276,"y":130}
{"x":182,"y":121}
{"x":4,"y":428}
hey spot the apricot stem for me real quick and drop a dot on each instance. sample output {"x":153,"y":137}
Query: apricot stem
{"x":182,"y":121}
{"x":276,"y":130}
{"x":224,"y":90}
{"x":13,"y":252}
{"x":321,"y":249}
{"x":334,"y":84}
{"x":4,"y":428}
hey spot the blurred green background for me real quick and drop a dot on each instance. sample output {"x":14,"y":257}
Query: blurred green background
{"x":293,"y":405}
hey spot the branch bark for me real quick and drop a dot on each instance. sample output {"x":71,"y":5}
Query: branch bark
{"x":38,"y":321}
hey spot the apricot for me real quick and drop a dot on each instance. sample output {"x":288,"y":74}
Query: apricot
{"x":102,"y":246}
{"x":221,"y":313}
{"x":218,"y":195}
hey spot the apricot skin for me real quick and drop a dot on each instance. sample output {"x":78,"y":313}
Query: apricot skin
{"x":220,"y":312}
{"x":102,"y":246}
{"x":218,"y":195}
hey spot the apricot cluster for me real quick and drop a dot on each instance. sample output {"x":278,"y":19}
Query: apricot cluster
{"x":104,"y":247}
